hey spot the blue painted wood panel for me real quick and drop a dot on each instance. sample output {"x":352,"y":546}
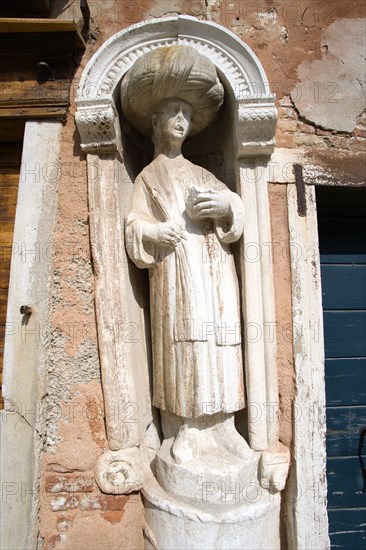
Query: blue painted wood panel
{"x":342,"y":239}
{"x":347,"y":528}
{"x":345,"y":381}
{"x":345,"y":333}
{"x":345,"y":482}
{"x":344,"y":286}
{"x":343,"y":430}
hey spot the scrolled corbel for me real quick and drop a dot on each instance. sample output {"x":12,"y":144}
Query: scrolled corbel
{"x":119,"y":472}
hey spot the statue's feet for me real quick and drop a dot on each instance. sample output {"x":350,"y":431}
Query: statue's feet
{"x":200,"y":441}
{"x":228,"y":437}
{"x":184,"y":446}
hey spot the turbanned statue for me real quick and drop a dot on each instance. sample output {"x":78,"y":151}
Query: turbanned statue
{"x":180,"y":225}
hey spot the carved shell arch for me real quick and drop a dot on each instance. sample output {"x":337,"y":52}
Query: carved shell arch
{"x":235,"y":61}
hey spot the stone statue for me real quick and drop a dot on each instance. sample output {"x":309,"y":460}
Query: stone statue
{"x":180,"y":224}
{"x":203,"y":486}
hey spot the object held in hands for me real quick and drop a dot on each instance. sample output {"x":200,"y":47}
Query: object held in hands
{"x":207,"y":204}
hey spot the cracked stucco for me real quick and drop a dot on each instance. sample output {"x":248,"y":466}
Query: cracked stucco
{"x":331,"y":90}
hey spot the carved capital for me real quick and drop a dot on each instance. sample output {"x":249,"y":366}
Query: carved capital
{"x":256,"y":127}
{"x":119,"y":472}
{"x":99,"y":128}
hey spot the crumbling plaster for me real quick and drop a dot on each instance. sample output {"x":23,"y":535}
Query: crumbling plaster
{"x":337,"y":96}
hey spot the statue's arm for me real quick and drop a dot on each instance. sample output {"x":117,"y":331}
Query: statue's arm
{"x":139,"y":220}
{"x":146,"y":235}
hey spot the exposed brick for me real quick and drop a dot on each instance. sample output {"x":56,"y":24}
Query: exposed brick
{"x":113,"y":516}
{"x":339,"y":142}
{"x":357,"y":145}
{"x":61,"y":503}
{"x":90,"y":503}
{"x":104,"y":502}
{"x":320,"y":132}
{"x":360,"y":132}
{"x":287,"y":112}
{"x":305,"y":128}
{"x":285,"y":140}
{"x":113,"y":502}
{"x":55,"y":467}
{"x":309,"y":140}
{"x":285,"y":101}
{"x":287,"y":125}
{"x":69,"y":483}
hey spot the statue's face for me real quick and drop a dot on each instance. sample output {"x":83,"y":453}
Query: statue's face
{"x":173,"y":120}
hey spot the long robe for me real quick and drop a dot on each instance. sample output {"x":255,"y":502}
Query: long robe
{"x":194,"y":296}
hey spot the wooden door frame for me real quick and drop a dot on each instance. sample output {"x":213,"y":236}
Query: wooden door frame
{"x":306,"y":498}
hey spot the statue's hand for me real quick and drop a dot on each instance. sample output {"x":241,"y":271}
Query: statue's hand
{"x":164,"y":234}
{"x":211,"y":204}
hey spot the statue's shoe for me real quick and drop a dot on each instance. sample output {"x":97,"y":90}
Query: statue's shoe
{"x":184,"y":447}
{"x":227,"y":436}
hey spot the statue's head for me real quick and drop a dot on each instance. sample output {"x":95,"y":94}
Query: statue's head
{"x":171,"y":121}
{"x":172,"y":89}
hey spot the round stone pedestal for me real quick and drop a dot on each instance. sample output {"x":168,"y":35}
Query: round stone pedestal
{"x":214,"y":501}
{"x":210,"y":479}
{"x":174,"y":525}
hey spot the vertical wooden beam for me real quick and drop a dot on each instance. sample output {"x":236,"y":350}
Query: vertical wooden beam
{"x":307,"y":513}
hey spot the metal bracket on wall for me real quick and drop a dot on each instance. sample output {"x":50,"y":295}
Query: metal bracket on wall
{"x":300,"y":189}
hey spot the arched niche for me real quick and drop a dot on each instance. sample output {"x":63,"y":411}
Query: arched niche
{"x":237,"y":66}
{"x":121,"y":301}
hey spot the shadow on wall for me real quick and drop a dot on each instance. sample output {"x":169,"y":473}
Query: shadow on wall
{"x":53,"y":9}
{"x":31,"y":8}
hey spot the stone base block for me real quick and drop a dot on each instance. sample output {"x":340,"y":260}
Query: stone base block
{"x":209,"y":479}
{"x":174,"y":525}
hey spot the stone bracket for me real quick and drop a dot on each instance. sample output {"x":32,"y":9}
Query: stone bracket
{"x":256,"y":127}
{"x":120,"y":472}
{"x":99,"y":127}
{"x":274,"y":467}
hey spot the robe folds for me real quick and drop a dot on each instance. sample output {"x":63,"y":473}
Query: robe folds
{"x":194,"y":294}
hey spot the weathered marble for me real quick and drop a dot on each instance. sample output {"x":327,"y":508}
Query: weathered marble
{"x":182,"y":225}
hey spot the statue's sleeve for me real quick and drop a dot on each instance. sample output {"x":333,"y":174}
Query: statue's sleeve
{"x":230,"y":230}
{"x":139,"y":213}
